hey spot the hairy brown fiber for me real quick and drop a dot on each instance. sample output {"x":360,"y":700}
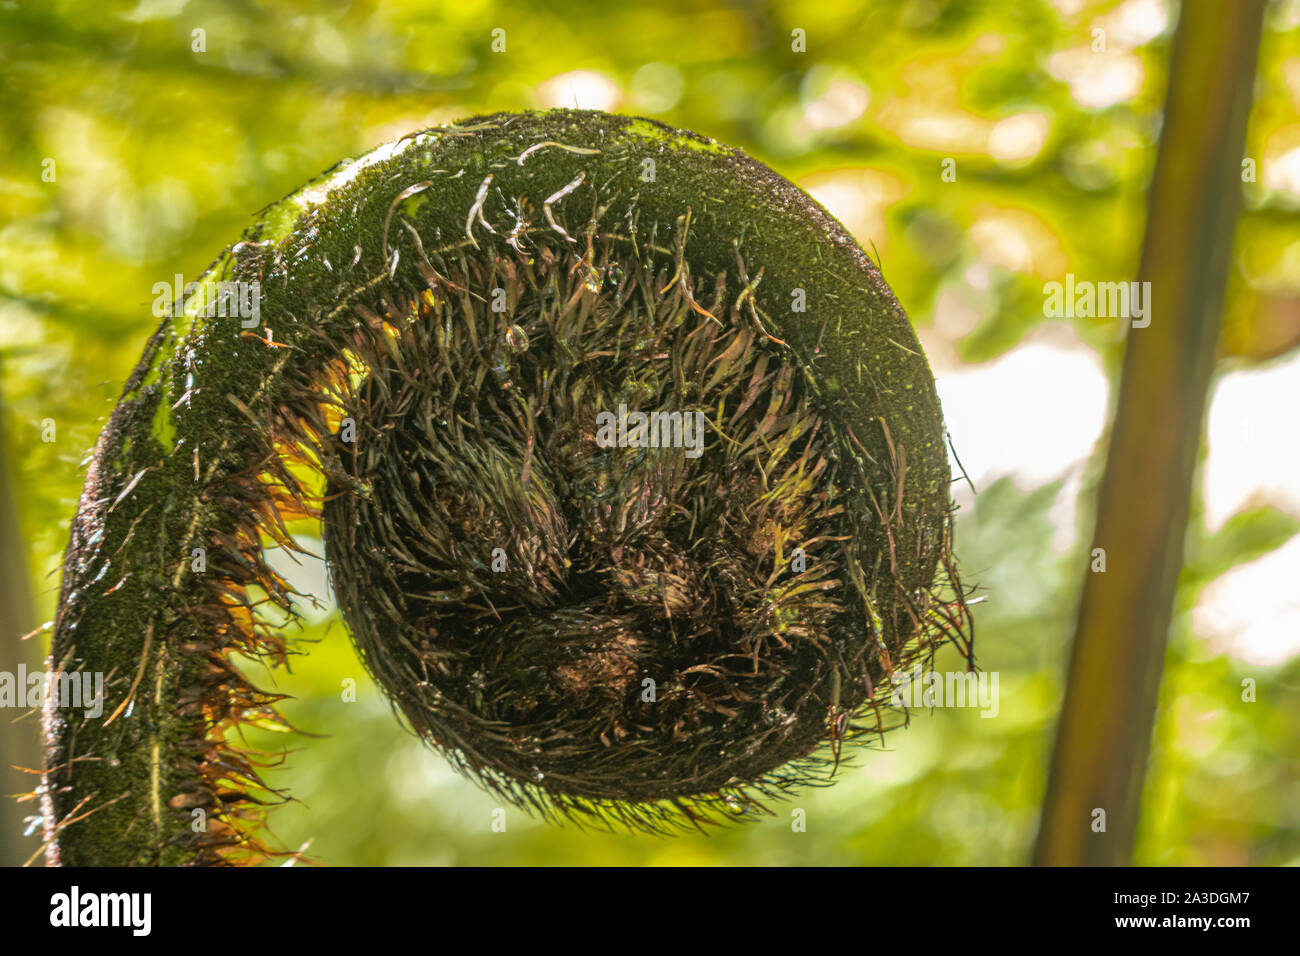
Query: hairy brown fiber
{"x":647,"y":633}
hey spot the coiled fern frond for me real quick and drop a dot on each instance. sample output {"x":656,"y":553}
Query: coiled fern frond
{"x":650,"y":621}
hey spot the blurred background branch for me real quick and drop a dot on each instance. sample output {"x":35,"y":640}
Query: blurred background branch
{"x":1118,"y":654}
{"x":19,"y":728}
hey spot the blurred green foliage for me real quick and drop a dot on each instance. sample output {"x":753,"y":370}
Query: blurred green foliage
{"x":161,"y":152}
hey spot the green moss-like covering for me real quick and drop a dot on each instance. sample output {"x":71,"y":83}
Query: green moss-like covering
{"x":213,"y":406}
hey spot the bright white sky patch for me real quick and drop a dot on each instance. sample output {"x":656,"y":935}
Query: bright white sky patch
{"x":1035,"y":413}
{"x":1283,"y":173}
{"x":1254,"y":454}
{"x":1018,"y":138}
{"x":1135,"y":23}
{"x":1098,"y":80}
{"x":1032,"y":414}
{"x":1253,"y":611}
{"x":306,"y":574}
{"x":580,"y":89}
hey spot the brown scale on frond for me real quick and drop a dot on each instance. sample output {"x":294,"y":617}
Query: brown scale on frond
{"x":214,"y":773}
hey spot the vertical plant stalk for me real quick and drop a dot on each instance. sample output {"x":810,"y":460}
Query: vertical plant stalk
{"x":18,"y":729}
{"x":1104,"y":735}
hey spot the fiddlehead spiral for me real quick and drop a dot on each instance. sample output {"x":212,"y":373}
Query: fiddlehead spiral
{"x":635,"y":491}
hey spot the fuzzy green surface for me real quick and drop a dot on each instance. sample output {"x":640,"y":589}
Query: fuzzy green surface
{"x":176,"y":456}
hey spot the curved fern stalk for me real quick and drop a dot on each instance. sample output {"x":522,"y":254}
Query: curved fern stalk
{"x":437,"y":326}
